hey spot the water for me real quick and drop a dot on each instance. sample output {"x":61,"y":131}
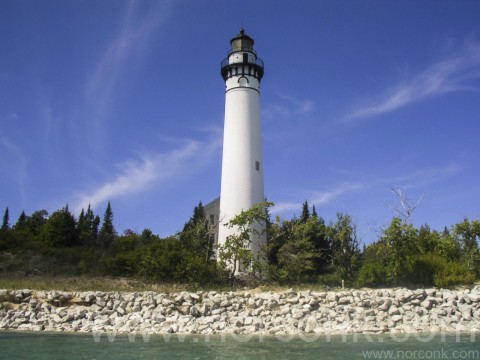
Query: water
{"x":52,"y":346}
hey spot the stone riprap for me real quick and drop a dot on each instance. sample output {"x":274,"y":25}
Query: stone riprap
{"x":244,"y":312}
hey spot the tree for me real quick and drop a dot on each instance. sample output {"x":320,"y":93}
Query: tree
{"x":467,"y":234}
{"x":147,"y":236}
{"x":305,"y":212}
{"x":196,"y":233}
{"x":5,"y":224}
{"x":448,"y":247}
{"x":427,"y":240}
{"x":88,"y":227}
{"x":21,"y":223}
{"x":298,"y":256}
{"x":60,"y":229}
{"x":235,"y":252}
{"x":36,"y":221}
{"x":297,"y":249}
{"x":399,"y":248}
{"x":107,"y":233}
{"x":406,"y":208}
{"x":345,"y":245}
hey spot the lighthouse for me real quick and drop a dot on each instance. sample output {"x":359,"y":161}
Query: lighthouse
{"x":242,"y":165}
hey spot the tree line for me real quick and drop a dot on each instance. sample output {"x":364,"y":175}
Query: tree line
{"x":304,"y":249}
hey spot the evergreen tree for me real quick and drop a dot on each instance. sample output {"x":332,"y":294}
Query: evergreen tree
{"x":298,"y":257}
{"x":60,"y":229}
{"x":305,"y":212}
{"x":88,"y":227}
{"x":196,"y":233}
{"x":297,"y":249}
{"x":5,"y":223}
{"x":322,"y":244}
{"x":107,"y":233}
{"x":21,"y":222}
{"x":36,"y":221}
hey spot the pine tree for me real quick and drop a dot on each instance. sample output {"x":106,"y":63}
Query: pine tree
{"x":5,"y":223}
{"x":305,"y":212}
{"x":88,"y":227}
{"x":195,"y":233}
{"x":60,"y":229}
{"x":21,"y":223}
{"x":107,"y":233}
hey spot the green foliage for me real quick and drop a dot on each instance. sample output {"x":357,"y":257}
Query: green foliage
{"x":34,"y":223}
{"x":333,"y":280}
{"x":196,"y":234}
{"x":305,"y":212}
{"x":345,"y":245}
{"x":88,"y":227}
{"x":60,"y":229}
{"x":467,"y":234}
{"x":371,"y":274}
{"x":400,"y":246}
{"x":107,"y":234}
{"x":297,"y":250}
{"x":6,"y":222}
{"x":298,"y":257}
{"x":448,"y":247}
{"x":425,"y":268}
{"x":454,"y":273}
{"x":236,"y":251}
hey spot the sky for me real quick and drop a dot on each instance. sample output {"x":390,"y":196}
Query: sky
{"x":123,"y":101}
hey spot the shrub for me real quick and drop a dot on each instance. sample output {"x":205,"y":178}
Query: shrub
{"x":371,"y":274}
{"x":454,"y":273}
{"x":432,"y":269}
{"x":330,"y":279}
{"x":425,"y":268}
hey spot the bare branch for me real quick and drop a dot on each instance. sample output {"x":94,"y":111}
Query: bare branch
{"x":406,"y":208}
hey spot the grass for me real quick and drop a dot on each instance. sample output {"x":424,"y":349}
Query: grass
{"x":78,"y":283}
{"x":63,"y":283}
{"x":86,"y":284}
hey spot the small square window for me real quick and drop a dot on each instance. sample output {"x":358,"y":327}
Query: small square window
{"x":257,"y":165}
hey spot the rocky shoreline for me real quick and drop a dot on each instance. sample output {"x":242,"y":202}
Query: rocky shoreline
{"x":243,"y":312}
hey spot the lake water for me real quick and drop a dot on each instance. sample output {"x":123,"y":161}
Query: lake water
{"x":52,"y":346}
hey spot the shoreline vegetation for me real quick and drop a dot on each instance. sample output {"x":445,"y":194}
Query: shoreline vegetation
{"x":246,"y":311}
{"x":304,"y":249}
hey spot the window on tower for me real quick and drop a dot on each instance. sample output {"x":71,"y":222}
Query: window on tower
{"x":257,"y":165}
{"x":243,"y":81}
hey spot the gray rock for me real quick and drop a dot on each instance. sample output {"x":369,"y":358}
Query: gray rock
{"x":426,"y":304}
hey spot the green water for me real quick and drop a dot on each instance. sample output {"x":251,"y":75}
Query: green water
{"x":52,"y":346}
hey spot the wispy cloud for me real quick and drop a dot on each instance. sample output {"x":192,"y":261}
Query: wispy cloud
{"x":288,"y":106}
{"x":420,"y":177}
{"x":455,"y":73}
{"x":318,"y":198}
{"x":11,"y":117}
{"x":136,"y":176}
{"x":132,"y":40}
{"x":18,"y":165}
{"x":414,"y":179}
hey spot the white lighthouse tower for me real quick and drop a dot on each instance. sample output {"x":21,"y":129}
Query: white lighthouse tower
{"x":242,"y":166}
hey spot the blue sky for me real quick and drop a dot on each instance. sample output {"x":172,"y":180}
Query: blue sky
{"x":123,"y":101}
